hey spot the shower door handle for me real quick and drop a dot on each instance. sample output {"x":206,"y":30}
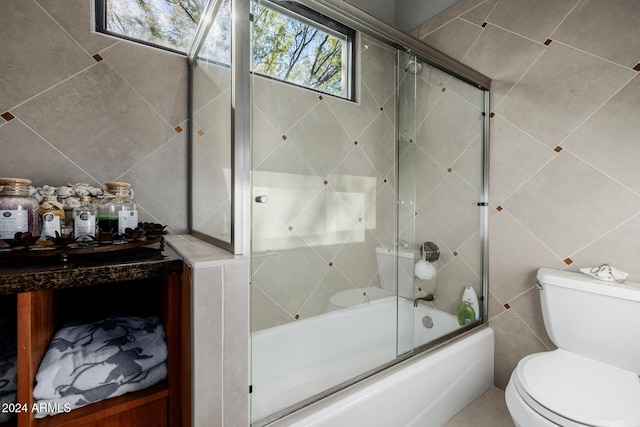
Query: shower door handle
{"x":261,"y":199}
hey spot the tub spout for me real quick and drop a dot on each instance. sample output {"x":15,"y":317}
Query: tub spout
{"x":429,"y":297}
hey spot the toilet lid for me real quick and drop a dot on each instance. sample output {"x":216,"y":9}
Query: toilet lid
{"x":580,"y":389}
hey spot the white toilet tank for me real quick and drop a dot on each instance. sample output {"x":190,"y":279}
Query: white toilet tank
{"x":597,"y":319}
{"x":387,"y":270}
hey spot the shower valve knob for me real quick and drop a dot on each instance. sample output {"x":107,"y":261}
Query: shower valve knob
{"x":261,"y":199}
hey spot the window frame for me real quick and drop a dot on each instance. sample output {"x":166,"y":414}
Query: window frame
{"x":288,"y":8}
{"x":302,"y":13}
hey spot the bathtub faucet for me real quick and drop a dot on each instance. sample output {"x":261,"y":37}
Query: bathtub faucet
{"x":429,"y":297}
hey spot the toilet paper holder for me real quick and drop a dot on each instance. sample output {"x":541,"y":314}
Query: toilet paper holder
{"x":430,"y":250}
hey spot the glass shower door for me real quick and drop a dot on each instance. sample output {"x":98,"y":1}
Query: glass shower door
{"x":407,"y":253}
{"x":441,"y":190}
{"x":344,"y":195}
{"x":323,"y":217}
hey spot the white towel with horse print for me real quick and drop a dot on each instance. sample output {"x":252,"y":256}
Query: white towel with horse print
{"x":92,"y":362}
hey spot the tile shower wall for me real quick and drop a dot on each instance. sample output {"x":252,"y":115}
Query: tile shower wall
{"x":77,"y":106}
{"x":327,"y":168}
{"x":565,"y":121}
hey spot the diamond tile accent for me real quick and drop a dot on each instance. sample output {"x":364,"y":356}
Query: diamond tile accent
{"x":7,"y":116}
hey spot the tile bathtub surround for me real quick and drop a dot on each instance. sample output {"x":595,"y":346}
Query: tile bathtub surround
{"x":84,"y":107}
{"x":564,"y":161}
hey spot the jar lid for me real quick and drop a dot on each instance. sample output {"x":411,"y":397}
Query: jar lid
{"x":117,"y":185}
{"x":15,"y":181}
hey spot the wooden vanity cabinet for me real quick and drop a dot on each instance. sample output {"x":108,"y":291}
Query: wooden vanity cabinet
{"x":87,"y":293}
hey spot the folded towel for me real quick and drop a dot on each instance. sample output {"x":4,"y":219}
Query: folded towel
{"x":78,"y":398}
{"x":90,"y":362}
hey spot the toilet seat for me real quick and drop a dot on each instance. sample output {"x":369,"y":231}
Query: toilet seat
{"x":352,"y":297}
{"x":572,"y":390}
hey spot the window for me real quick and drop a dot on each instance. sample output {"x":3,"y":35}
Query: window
{"x":291,"y":42}
{"x":297,"y":45}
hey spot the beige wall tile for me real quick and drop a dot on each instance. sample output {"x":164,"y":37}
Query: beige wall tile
{"x":608,"y":139}
{"x":514,"y":339}
{"x":563,"y":87}
{"x":606,"y":29}
{"x":27,"y":155}
{"x":533,"y":19}
{"x":111,"y":120}
{"x":558,"y":204}
{"x":75,"y":17}
{"x":455,"y":37}
{"x":171,"y":101}
{"x":504,"y":57}
{"x":36,"y":52}
{"x":515,"y":157}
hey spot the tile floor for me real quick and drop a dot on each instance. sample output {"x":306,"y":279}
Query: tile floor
{"x":489,"y":410}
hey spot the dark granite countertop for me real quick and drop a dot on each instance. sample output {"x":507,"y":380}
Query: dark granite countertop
{"x":37,"y":274}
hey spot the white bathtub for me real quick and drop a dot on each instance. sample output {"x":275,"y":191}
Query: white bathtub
{"x":298,"y":360}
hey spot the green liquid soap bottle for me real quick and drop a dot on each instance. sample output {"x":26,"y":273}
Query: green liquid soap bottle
{"x":465,"y":313}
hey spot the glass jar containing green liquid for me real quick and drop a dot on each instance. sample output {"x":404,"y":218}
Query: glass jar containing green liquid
{"x":117,"y":211}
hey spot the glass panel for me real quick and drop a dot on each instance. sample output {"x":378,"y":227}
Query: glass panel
{"x":324,"y":218}
{"x":407,"y":254}
{"x":344,"y":196}
{"x":443,"y":166}
{"x":167,"y":23}
{"x":211,"y":133}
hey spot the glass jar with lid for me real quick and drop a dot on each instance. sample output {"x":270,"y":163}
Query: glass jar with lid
{"x":84,"y":219}
{"x":18,"y":211}
{"x":51,"y":215}
{"x":117,"y":210}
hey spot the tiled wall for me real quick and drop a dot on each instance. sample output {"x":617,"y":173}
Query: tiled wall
{"x":327,"y":168}
{"x":82,"y":107}
{"x":565,"y":165}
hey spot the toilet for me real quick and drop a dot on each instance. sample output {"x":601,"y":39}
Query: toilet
{"x":591,"y":379}
{"x":387,"y":272}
